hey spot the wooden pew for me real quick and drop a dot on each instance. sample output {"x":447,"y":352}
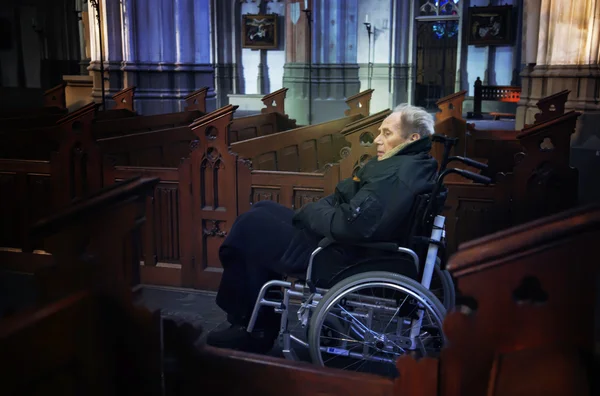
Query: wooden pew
{"x":509,"y":336}
{"x":74,"y":240}
{"x":29,"y":140}
{"x":196,"y":204}
{"x":82,"y":330}
{"x":306,"y":149}
{"x":54,"y":98}
{"x":166,"y":147}
{"x":52,"y":104}
{"x":196,"y":107}
{"x":272,"y":119}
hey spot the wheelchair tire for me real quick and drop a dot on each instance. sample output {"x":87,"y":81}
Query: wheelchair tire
{"x":345,"y":287}
{"x":448,"y":294}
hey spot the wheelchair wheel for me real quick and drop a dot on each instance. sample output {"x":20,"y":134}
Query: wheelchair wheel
{"x":375,"y":314}
{"x":442,"y":286}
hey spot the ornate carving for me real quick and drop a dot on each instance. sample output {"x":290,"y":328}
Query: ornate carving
{"x":194,"y":144}
{"x":345,"y":152}
{"x":211,"y":133}
{"x":246,"y":162}
{"x":215,"y":230}
{"x":212,"y":159}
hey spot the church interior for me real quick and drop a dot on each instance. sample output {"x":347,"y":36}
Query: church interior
{"x":133,"y":134}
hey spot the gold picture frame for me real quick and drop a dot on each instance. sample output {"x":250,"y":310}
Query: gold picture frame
{"x":260,"y":31}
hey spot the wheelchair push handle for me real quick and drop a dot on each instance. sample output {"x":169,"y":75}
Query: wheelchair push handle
{"x":474,"y":176}
{"x":444,"y":139}
{"x":469,"y":161}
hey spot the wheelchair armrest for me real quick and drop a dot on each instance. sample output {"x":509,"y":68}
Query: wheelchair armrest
{"x":386,"y":246}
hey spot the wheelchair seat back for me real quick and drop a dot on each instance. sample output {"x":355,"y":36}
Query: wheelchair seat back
{"x":420,"y":222}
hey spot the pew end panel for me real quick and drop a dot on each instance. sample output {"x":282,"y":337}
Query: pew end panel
{"x":473,"y":210}
{"x":274,"y":102}
{"x":551,"y":106}
{"x":78,"y":236}
{"x":545,"y":182}
{"x":501,"y":148}
{"x":77,"y":166}
{"x":124,"y":99}
{"x":450,"y":106}
{"x":196,"y":101}
{"x":359,"y":103}
{"x":56,"y":97}
{"x":211,"y":207}
{"x":26,"y":189}
{"x":83,"y":343}
{"x":165,"y":236}
{"x":518,"y":284}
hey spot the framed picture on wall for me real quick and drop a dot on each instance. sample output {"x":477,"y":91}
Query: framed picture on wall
{"x":259,"y":31}
{"x":490,"y":25}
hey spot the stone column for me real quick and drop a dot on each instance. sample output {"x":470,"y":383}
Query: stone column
{"x":567,"y":57}
{"x":226,"y":23}
{"x":334,"y":67}
{"x":166,"y":51}
{"x":295,"y":73}
{"x":402,"y":71}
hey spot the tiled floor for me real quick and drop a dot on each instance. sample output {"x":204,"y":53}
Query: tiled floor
{"x":197,"y":308}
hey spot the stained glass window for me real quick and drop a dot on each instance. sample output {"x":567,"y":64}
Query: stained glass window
{"x":438,"y":7}
{"x":447,"y":28}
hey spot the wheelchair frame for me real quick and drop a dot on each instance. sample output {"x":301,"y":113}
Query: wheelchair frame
{"x":310,"y":295}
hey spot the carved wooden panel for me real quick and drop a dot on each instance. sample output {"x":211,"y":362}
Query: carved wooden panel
{"x":450,"y":106}
{"x":265,"y":194}
{"x":288,"y":159}
{"x":166,"y":222}
{"x":247,"y":133}
{"x":267,"y":161}
{"x":26,"y":197}
{"x":474,"y":210}
{"x":124,"y":99}
{"x":213,"y":204}
{"x":306,"y":196}
{"x":268,"y":129}
{"x":274,"y":102}
{"x":196,"y":101}
{"x":519,"y":282}
{"x":359,"y":104}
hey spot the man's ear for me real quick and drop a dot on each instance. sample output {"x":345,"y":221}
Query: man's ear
{"x":414,"y":137}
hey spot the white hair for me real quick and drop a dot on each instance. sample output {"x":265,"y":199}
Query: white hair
{"x":414,"y":119}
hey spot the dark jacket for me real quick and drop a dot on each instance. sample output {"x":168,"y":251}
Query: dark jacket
{"x":370,"y":207}
{"x":373,"y":206}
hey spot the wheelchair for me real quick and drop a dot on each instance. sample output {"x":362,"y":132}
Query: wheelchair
{"x":366,"y":320}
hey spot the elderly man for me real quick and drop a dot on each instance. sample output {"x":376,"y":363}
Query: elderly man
{"x":271,"y":240}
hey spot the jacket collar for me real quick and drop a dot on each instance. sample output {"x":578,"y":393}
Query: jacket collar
{"x":422,"y":145}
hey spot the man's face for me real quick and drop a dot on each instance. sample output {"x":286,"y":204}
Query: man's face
{"x":391,"y":135}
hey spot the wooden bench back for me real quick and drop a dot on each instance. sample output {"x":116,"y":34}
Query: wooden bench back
{"x":87,"y":245}
{"x":109,"y":128}
{"x":304,"y":149}
{"x":518,"y":287}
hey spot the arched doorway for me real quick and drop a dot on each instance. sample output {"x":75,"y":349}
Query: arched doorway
{"x":437,"y":33}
